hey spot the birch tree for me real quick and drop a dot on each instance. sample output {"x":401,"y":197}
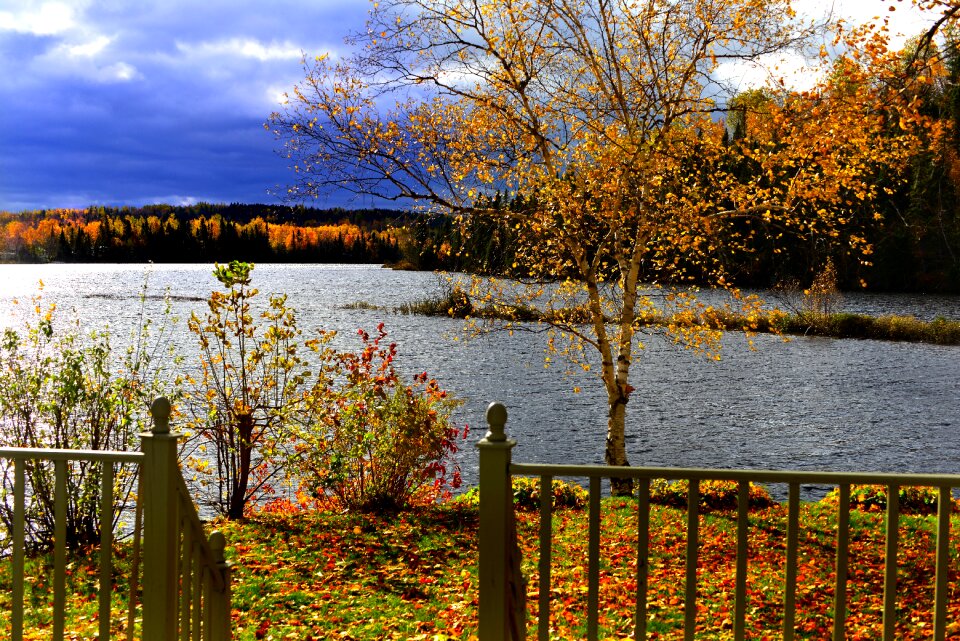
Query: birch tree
{"x":605,"y":119}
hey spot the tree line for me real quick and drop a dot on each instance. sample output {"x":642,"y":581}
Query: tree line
{"x":207,"y":232}
{"x":916,"y":243}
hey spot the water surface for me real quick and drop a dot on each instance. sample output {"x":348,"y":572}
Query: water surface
{"x":810,"y":403}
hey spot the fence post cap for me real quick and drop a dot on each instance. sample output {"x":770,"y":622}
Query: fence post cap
{"x":218,"y":545}
{"x":160,"y":410}
{"x":496,"y":420}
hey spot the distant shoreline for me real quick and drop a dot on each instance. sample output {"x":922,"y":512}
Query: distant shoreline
{"x":940,"y":331}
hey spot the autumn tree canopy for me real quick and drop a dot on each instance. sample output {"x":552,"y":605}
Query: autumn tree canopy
{"x":944,"y":14}
{"x":604,"y":123}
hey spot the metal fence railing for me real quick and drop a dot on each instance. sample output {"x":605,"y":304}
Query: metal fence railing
{"x":186,"y":581}
{"x":502,"y":588}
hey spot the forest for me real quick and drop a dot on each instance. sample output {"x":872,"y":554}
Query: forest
{"x":916,"y":245}
{"x":203,"y":232}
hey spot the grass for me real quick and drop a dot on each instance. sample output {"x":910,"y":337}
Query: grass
{"x":82,"y":589}
{"x":413,"y":575}
{"x":454,"y":302}
{"x":354,"y":576}
{"x":893,"y":328}
{"x":361,"y":305}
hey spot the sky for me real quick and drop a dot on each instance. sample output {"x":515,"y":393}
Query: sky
{"x":115,"y":102}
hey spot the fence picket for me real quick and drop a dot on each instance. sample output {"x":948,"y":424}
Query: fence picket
{"x":195,"y":590}
{"x":106,"y":546}
{"x":643,"y":554}
{"x":790,"y":580}
{"x":186,"y":552}
{"x":207,"y":596}
{"x":843,"y":544}
{"x":59,"y":548}
{"x":135,"y":563}
{"x":740,"y":605}
{"x":219,"y":606}
{"x":546,"y":540}
{"x":890,"y":564}
{"x":942,"y":589}
{"x":693,"y":547}
{"x":593,"y":564}
{"x":19,"y":494}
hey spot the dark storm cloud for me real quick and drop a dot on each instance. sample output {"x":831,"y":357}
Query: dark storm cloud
{"x":132,"y":102}
{"x":164,"y":101}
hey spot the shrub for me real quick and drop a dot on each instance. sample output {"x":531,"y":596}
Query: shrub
{"x":873,"y":498}
{"x":822,"y":298}
{"x":379,"y":441}
{"x":249,"y":394}
{"x":714,"y":495}
{"x":526,"y":494}
{"x":945,"y":332}
{"x":452,"y":301}
{"x":342,"y":426}
{"x":64,"y":388}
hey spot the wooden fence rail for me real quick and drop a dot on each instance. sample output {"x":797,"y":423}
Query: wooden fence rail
{"x":186,"y":581}
{"x":500,"y":582}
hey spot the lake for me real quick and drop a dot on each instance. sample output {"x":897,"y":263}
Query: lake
{"x":809,"y":403}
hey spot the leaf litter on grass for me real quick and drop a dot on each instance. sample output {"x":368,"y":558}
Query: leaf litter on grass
{"x":413,"y":575}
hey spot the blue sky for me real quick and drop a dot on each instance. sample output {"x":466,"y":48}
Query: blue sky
{"x":118,"y":102}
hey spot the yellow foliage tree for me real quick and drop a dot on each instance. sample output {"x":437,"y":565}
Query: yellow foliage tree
{"x":943,"y":12}
{"x":602,"y":121}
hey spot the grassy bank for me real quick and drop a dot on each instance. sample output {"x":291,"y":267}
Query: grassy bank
{"x":941,"y":331}
{"x":316,"y":575}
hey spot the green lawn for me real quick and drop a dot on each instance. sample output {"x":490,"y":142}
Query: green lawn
{"x":314,"y":575}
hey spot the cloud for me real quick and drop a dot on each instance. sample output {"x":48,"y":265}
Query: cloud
{"x":159,"y":100}
{"x":87,"y":49}
{"x":904,"y":20}
{"x":91,"y":61}
{"x":796,"y":72}
{"x":802,"y":73}
{"x":117,"y":72}
{"x":50,"y":18}
{"x":175,"y":199}
{"x":241,"y":48}
{"x":118,"y":102}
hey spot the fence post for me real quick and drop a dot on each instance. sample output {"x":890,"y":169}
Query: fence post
{"x":496,"y":501}
{"x":220,"y":627}
{"x":160,"y":525}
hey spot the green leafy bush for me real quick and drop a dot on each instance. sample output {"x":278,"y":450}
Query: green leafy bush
{"x":848,"y":325}
{"x":873,"y":498}
{"x":67,"y":388}
{"x":714,"y":495}
{"x":526,"y":494}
